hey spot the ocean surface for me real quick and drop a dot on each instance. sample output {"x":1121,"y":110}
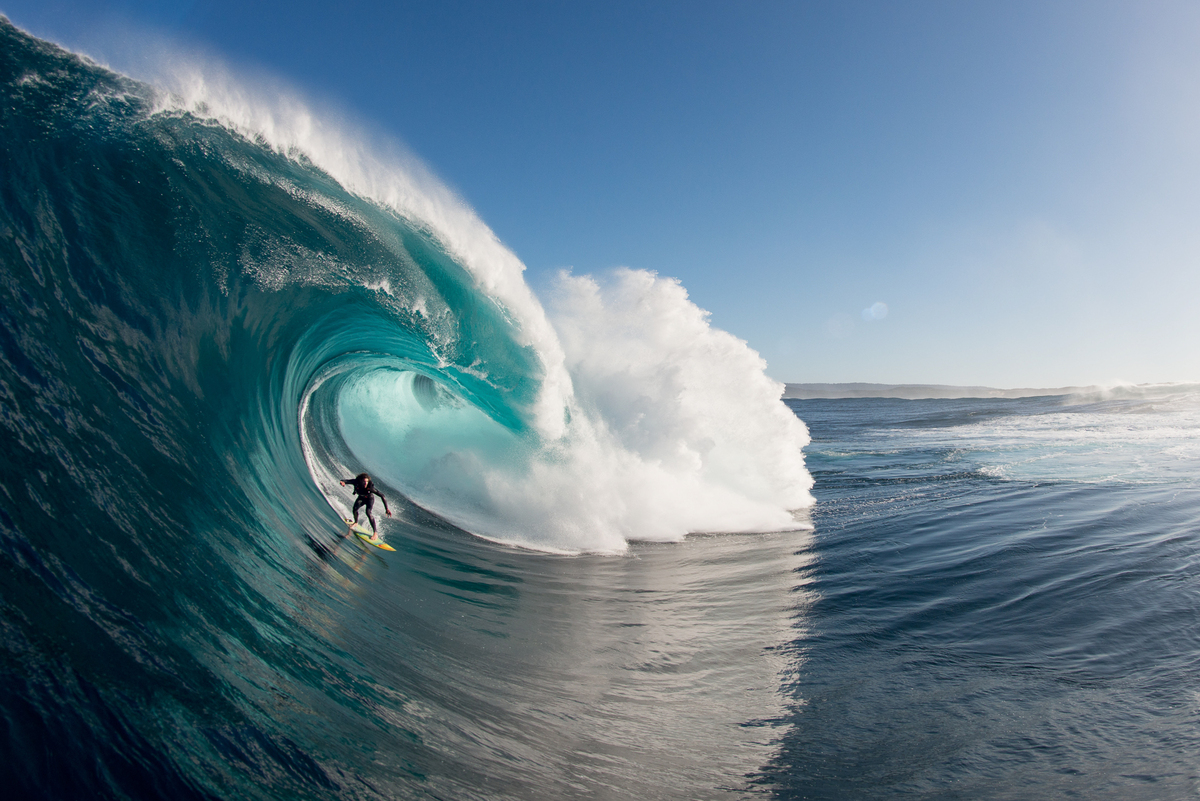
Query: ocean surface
{"x":624,"y":567}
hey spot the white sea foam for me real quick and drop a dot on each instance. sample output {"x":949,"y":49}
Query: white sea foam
{"x":1146,"y":433}
{"x":661,"y":383}
{"x":674,"y":428}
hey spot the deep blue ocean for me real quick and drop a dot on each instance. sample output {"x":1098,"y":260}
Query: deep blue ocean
{"x":624,"y":567}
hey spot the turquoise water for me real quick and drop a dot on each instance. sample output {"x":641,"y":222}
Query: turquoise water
{"x":622,"y":568}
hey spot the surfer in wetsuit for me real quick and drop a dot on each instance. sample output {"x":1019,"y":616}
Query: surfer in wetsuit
{"x":364,"y":488}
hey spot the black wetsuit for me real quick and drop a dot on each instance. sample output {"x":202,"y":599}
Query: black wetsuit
{"x":364,"y":491}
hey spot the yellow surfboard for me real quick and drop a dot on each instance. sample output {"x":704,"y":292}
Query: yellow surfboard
{"x":364,"y":534}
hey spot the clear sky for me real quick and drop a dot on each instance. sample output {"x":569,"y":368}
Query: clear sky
{"x":1002,"y":193}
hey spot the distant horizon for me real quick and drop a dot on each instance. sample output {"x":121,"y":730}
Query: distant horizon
{"x":916,"y":391}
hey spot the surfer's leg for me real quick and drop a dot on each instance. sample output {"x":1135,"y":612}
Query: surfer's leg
{"x":358,"y":505}
{"x":370,"y":502}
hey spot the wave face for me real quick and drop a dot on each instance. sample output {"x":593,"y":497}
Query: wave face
{"x":215,"y":309}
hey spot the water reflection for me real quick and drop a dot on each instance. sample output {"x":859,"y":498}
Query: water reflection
{"x":656,"y":674}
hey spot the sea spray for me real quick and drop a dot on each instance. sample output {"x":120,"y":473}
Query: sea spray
{"x":690,"y":402}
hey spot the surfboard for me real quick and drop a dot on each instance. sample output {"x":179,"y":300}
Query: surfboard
{"x":364,"y":534}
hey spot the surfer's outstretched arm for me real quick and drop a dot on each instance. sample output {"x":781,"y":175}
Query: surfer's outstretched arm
{"x":385,"y":506}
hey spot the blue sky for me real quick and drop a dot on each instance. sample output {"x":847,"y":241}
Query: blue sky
{"x":1002,"y":193}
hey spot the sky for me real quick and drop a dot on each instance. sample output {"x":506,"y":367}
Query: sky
{"x":977,"y":193}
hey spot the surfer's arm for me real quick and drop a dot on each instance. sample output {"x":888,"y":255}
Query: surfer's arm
{"x":380,"y":494}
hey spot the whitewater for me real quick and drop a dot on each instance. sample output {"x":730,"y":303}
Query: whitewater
{"x":623,"y":569}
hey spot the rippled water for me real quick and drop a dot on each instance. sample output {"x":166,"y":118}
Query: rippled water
{"x":1005,"y":601}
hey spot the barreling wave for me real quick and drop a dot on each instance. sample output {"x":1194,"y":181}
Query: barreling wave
{"x":357,"y":314}
{"x":214,"y":308}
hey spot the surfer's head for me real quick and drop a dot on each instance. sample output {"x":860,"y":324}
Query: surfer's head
{"x":364,"y":478}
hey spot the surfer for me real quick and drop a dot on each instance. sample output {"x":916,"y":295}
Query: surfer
{"x":364,"y":488}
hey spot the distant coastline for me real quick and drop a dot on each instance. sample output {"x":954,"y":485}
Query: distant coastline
{"x":921,"y":391}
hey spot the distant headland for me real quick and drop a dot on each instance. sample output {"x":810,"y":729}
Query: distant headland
{"x":920,"y":391}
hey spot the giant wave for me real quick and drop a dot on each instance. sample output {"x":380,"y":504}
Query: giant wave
{"x":214,"y":307}
{"x":360,"y":315}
